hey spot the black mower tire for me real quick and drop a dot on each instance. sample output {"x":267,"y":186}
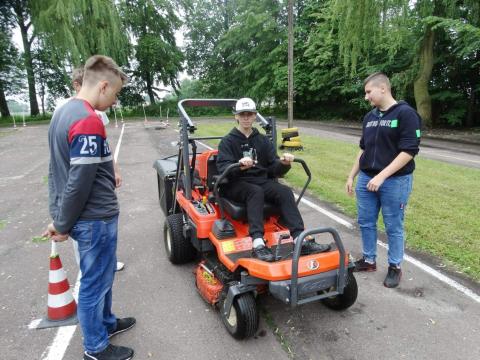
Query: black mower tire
{"x":345,"y":300}
{"x":179,"y":249}
{"x":243,"y":320}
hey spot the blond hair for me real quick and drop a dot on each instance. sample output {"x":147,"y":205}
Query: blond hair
{"x":100,"y":67}
{"x":377,"y":79}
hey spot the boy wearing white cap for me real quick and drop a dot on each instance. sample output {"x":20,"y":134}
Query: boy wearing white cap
{"x":253,"y":182}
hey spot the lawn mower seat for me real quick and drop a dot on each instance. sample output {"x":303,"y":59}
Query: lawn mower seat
{"x":238,"y":211}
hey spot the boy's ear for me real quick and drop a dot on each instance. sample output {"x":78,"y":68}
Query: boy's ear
{"x":103,"y":84}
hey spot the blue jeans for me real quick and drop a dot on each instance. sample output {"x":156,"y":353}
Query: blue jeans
{"x":392,"y":198}
{"x":97,"y":245}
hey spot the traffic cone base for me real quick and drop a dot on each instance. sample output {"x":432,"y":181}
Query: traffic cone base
{"x":62,"y":308}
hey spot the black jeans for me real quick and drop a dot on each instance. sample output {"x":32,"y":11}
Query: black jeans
{"x":254,"y":196}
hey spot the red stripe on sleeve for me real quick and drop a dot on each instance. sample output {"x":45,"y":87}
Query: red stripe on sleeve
{"x":91,"y":125}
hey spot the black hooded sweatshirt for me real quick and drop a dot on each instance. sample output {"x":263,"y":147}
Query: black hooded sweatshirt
{"x":387,"y":134}
{"x":257,"y":146}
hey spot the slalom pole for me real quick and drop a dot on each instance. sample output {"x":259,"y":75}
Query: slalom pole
{"x":144,"y":114}
{"x":115,"y":114}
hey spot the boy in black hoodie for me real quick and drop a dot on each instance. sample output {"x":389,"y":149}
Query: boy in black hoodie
{"x":389,"y":142}
{"x":253,"y":182}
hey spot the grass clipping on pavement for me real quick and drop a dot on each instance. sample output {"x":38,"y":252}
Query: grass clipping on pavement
{"x":442,"y":215}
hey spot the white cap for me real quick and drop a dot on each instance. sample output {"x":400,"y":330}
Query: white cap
{"x":244,"y":105}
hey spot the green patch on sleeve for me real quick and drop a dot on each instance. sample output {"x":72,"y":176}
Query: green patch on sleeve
{"x":394,"y":123}
{"x":418,"y":133}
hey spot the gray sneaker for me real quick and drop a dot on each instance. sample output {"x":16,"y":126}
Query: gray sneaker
{"x":311,"y":247}
{"x":263,"y":253}
{"x":123,"y":325}
{"x":111,"y":352}
{"x":393,"y":277}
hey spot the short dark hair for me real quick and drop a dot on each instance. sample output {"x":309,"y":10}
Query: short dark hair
{"x":378,"y":78}
{"x":98,"y":66}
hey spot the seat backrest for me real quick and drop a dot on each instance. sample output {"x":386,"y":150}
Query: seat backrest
{"x":211,"y":172}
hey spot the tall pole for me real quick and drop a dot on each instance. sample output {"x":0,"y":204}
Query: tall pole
{"x":290,"y":63}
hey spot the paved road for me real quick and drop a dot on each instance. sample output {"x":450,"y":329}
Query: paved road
{"x":454,"y":152}
{"x":422,"y":319}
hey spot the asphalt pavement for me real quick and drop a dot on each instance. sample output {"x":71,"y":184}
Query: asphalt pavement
{"x":422,"y":319}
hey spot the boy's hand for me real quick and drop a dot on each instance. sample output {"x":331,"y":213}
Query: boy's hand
{"x":375,"y":183}
{"x":118,"y":179}
{"x":53,"y":234}
{"x":349,"y":186}
{"x":246,"y":163}
{"x":287,"y":159}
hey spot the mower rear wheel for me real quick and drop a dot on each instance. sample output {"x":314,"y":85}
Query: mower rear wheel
{"x":345,"y":300}
{"x":179,"y":249}
{"x":243,"y":319}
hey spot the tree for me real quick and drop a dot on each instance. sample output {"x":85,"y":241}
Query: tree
{"x":50,"y":74}
{"x":20,"y":12}
{"x":82,"y":28}
{"x":366,"y":25}
{"x":10,"y":73}
{"x":153,"y":23}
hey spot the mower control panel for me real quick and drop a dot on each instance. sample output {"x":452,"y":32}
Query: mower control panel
{"x":203,"y":208}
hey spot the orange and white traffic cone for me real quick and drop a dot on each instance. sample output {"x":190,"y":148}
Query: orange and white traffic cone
{"x":62,"y":308}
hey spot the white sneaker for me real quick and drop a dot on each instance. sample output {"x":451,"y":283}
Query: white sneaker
{"x":120,"y":266}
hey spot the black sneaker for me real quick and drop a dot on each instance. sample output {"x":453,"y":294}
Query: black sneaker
{"x":311,"y":247}
{"x":263,"y":253}
{"x":393,"y":277}
{"x":363,"y":265}
{"x":111,"y":352}
{"x":123,"y":325}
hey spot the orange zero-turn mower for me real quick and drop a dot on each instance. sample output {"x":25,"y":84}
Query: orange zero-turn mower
{"x":200,"y":224}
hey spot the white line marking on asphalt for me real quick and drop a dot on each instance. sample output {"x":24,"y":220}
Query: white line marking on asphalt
{"x":117,"y":149}
{"x":438,"y":275}
{"x":34,"y":324}
{"x":64,"y":335}
{"x":326,"y":212}
{"x":56,"y":351}
{"x":412,"y":260}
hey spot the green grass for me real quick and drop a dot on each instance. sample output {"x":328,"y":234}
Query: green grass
{"x":442,"y":217}
{"x":39,"y":119}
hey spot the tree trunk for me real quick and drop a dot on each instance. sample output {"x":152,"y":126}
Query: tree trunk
{"x":420,"y":86}
{"x":474,"y":79}
{"x":27,"y":43}
{"x":150,"y":92}
{"x":42,"y":97}
{"x":3,"y":103}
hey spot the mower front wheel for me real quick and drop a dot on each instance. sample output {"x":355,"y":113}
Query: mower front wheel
{"x":242,"y":321}
{"x":179,"y":249}
{"x":345,"y":300}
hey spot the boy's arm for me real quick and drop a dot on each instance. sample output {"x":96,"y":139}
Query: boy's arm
{"x":88,"y":148}
{"x":275,"y":167}
{"x":226,"y":157}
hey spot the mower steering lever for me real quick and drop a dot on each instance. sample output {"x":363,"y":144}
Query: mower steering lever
{"x":218,"y":182}
{"x":309,"y":175}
